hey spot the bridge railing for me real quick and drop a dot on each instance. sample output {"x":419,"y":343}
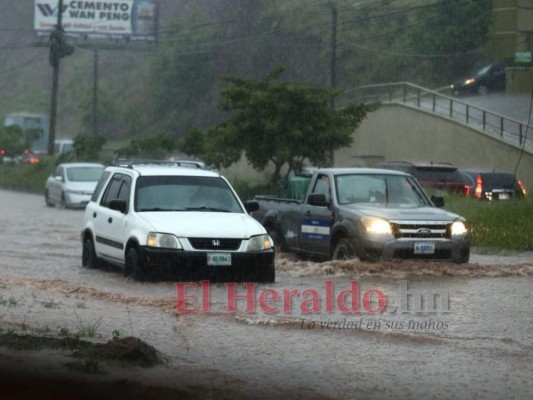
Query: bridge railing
{"x":493,"y":124}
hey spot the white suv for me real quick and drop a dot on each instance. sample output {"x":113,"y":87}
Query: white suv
{"x":174,"y":220}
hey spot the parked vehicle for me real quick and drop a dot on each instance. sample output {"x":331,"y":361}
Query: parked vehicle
{"x":62,"y":146}
{"x":440,"y":176}
{"x":72,"y":184}
{"x":168,"y":220}
{"x":366,"y":213}
{"x":488,"y":79}
{"x":487,"y":185}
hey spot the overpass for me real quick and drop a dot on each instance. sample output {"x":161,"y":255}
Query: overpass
{"x":418,"y":124}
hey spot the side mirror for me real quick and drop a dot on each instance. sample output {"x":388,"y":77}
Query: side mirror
{"x":251,"y":206}
{"x":317,"y":199}
{"x":118,"y":205}
{"x":438,"y":201}
{"x":58,"y":178}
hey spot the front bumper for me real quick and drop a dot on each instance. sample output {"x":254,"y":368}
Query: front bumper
{"x":192,"y":265}
{"x":77,"y":200}
{"x":445,"y":249}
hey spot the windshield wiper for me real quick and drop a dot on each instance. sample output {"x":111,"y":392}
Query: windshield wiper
{"x":204,"y":208}
{"x":159,"y":209}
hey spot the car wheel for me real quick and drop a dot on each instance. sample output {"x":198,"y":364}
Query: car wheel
{"x":88,"y":257}
{"x":63,"y":201}
{"x":344,"y":250}
{"x":47,"y":199}
{"x":482,"y":90}
{"x":133,"y":266}
{"x":464,"y":257}
{"x":267,"y":276}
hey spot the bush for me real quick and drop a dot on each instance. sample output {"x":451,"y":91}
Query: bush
{"x":27,"y":177}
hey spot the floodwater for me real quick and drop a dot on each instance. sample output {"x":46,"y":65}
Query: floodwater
{"x":342,"y":329}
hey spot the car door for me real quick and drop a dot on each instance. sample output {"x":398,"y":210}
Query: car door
{"x":110,"y":225}
{"x":315,"y":221}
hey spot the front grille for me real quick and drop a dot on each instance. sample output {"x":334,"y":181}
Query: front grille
{"x":440,"y":254}
{"x":414,"y":230}
{"x":215,"y":244}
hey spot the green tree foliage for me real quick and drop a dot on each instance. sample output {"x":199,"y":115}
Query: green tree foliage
{"x":276,"y":122}
{"x":156,"y":147}
{"x":88,"y":147}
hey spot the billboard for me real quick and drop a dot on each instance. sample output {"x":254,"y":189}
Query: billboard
{"x":99,"y":19}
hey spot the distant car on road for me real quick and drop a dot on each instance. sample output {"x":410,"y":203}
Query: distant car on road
{"x":488,"y":79}
{"x":72,"y":184}
{"x":439,"y":176}
{"x":491,"y":186}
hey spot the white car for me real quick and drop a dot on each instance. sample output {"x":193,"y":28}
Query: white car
{"x":166,"y":221}
{"x":72,"y":184}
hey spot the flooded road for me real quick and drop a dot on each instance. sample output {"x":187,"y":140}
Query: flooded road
{"x":323,"y":330}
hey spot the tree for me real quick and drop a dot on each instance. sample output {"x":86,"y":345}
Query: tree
{"x":14,"y":140}
{"x":276,"y":122}
{"x":88,"y":147}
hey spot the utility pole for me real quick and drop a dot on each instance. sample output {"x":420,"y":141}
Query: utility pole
{"x":95,"y":91}
{"x":58,"y":49}
{"x":333,"y":70}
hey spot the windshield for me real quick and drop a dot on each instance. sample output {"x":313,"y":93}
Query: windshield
{"x":380,"y":190}
{"x":184,"y":193}
{"x":84,"y":174}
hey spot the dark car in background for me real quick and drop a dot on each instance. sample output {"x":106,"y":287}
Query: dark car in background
{"x":492,"y":185}
{"x":438,"y":176}
{"x":490,"y":78}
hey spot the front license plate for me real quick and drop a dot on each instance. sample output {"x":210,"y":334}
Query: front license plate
{"x":424,"y":248}
{"x":218,"y":259}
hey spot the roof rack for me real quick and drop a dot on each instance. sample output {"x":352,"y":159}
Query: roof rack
{"x":130,"y":163}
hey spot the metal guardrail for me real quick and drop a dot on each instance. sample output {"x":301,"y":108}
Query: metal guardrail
{"x":495,"y":125}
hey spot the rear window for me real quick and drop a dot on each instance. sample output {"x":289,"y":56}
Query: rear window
{"x":498,"y":180}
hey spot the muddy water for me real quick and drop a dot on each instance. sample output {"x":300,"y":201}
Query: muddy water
{"x":476,"y":340}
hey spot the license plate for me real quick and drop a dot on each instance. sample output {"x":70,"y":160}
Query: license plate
{"x":218,"y":259}
{"x":503,"y":196}
{"x":424,"y":248}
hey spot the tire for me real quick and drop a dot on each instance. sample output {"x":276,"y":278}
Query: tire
{"x":268,"y":276}
{"x":344,"y":250}
{"x":133,"y":266}
{"x":63,"y":201}
{"x":464,"y":257}
{"x":88,"y":257}
{"x":47,"y":199}
{"x":279,"y":243}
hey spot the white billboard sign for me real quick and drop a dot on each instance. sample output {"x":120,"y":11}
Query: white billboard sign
{"x":99,"y":19}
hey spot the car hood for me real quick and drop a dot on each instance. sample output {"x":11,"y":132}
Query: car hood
{"x":403,"y":214}
{"x":204,"y":224}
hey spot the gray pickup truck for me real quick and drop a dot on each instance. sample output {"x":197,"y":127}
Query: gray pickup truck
{"x":372,"y":214}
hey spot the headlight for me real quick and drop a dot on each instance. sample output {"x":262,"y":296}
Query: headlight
{"x":258,"y":243}
{"x":458,"y":228}
{"x":377,"y":225}
{"x":469,"y":81}
{"x":163,"y":240}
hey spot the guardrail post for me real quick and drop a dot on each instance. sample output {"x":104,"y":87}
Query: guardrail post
{"x":467,"y":112}
{"x":520,"y":134}
{"x":484,"y":120}
{"x":404,"y":93}
{"x":434,"y":102}
{"x":451,"y":108}
{"x":501,"y":126}
{"x":418,"y":98}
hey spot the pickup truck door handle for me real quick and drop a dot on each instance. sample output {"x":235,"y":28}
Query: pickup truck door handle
{"x":94,"y":215}
{"x":110,"y":220}
{"x":308,"y":213}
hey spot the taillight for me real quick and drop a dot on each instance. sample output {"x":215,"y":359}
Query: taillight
{"x":478,"y":191}
{"x":522,"y":188}
{"x":467,"y":190}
